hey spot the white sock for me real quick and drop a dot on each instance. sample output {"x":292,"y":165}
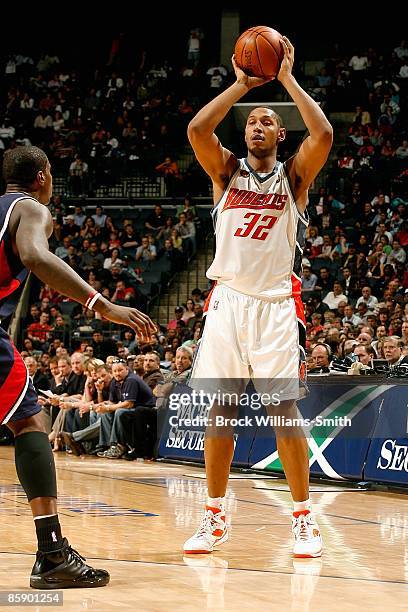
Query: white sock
{"x":37,"y":518}
{"x":216,"y":502}
{"x":303,"y":505}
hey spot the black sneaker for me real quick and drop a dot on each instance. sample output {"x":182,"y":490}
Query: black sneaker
{"x":65,"y":569}
{"x":131,"y":455}
{"x":69,"y":441}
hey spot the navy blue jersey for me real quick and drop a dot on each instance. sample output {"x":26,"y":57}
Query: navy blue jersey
{"x":18,"y":399}
{"x":12,"y":272}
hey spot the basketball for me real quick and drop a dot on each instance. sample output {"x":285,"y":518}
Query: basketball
{"x":258,"y":52}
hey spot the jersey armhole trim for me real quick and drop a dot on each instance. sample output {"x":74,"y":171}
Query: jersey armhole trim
{"x":304,"y":217}
{"x":10,"y":210}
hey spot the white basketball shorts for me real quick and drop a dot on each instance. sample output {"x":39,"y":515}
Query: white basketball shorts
{"x":247,"y":338}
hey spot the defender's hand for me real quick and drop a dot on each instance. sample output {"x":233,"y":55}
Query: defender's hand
{"x":141,"y":323}
{"x":248,"y":81}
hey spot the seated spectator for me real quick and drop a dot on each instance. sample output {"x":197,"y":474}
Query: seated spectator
{"x":365,"y":354}
{"x":189,"y":311}
{"x":128,"y":392}
{"x":99,"y":217}
{"x":122,"y":293}
{"x":79,"y":216}
{"x":92,"y":259}
{"x":335,"y":297}
{"x":88,"y":230}
{"x":197,"y":296}
{"x":146,"y":252}
{"x":183,"y":361}
{"x":316,"y":326}
{"x":40,"y":333}
{"x":348,"y":283}
{"x":187,"y":233}
{"x":62,"y":251}
{"x":156,"y":221}
{"x":314,"y":240}
{"x":324,"y":282}
{"x":398,"y":254}
{"x":80,"y":442}
{"x":78,"y":172}
{"x":350,"y":317}
{"x":113,"y":260}
{"x":309,"y":281}
{"x":176,"y":239}
{"x":178,"y":311}
{"x":392,"y":347}
{"x":129,"y":340}
{"x":167,"y":359}
{"x":320,"y":359}
{"x":170,"y":170}
{"x":152,"y":373}
{"x":186,"y":207}
{"x":103,"y":347}
{"x":69,"y":228}
{"x":39,"y":380}
{"x":370,"y":300}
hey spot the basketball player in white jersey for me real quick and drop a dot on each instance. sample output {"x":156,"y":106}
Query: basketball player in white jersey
{"x":251,"y":328}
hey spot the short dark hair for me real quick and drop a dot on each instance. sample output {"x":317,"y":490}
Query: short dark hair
{"x":278,"y":118}
{"x":22,"y":164}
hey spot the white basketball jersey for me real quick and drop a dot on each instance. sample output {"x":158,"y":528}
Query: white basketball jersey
{"x":260,"y":235}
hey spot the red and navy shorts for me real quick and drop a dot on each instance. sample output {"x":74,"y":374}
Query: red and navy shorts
{"x":18,"y":399}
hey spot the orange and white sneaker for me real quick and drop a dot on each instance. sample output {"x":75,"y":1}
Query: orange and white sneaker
{"x":306,"y":533}
{"x":213,"y":531}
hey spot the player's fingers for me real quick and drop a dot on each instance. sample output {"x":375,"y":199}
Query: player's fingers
{"x":284,"y":45}
{"x":142,"y":322}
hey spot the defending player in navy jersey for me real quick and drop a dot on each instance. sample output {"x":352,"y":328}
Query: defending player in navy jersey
{"x":255,"y":320}
{"x":25,"y":226}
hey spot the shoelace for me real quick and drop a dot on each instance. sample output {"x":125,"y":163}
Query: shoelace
{"x":302,"y":528}
{"x":79,"y":559}
{"x":209,"y":522}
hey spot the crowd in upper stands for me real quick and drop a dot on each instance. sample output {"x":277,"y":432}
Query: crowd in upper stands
{"x":355,"y":277}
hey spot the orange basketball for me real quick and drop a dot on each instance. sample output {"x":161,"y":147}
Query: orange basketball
{"x":258,"y":51}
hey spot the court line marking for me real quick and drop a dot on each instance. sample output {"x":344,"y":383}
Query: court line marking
{"x":247,"y":501}
{"x":234,"y":569}
{"x":162,"y":486}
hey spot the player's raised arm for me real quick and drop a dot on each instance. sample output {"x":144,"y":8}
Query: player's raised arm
{"x":33,"y":226}
{"x":305,"y":165}
{"x":218,"y":162}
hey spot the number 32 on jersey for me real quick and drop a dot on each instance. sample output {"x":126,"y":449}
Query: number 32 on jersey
{"x":255,"y":230}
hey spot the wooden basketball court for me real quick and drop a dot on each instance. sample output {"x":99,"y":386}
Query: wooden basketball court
{"x":132,"y":519}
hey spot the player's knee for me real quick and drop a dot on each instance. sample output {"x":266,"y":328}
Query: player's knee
{"x":35,"y":465}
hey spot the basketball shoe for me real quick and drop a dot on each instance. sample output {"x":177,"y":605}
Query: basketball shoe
{"x":306,"y":533}
{"x":213,"y":531}
{"x":65,"y":569}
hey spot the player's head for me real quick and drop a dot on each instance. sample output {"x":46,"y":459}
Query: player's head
{"x":28,"y":169}
{"x":263,"y":131}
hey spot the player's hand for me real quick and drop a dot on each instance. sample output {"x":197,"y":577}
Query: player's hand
{"x":288,"y":59}
{"x":248,"y":81}
{"x":140,"y":322}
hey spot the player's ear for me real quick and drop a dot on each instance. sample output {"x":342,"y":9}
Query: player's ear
{"x":41,"y":177}
{"x":281,"y":134}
